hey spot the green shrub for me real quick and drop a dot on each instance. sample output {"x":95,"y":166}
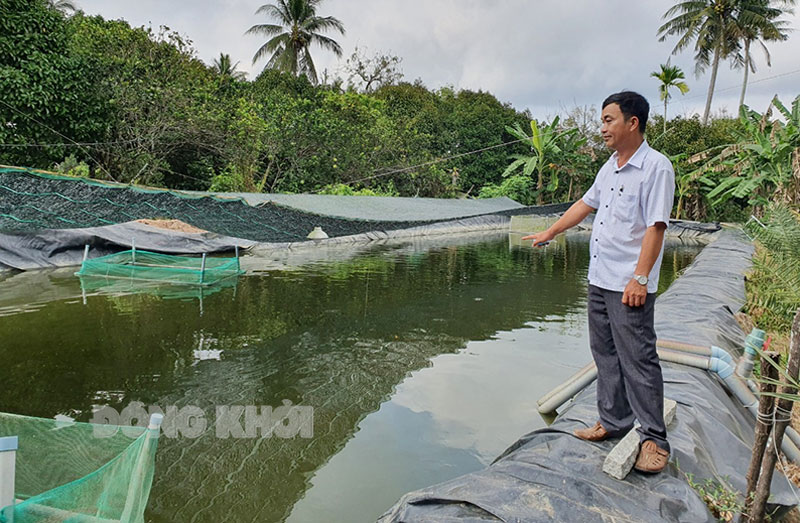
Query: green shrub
{"x":774,"y":283}
{"x":72,"y":167}
{"x":518,"y":187}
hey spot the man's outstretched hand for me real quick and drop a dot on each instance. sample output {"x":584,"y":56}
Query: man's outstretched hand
{"x":635,"y":294}
{"x":540,"y":238}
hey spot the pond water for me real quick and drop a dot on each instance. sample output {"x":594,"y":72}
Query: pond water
{"x":421,"y":362}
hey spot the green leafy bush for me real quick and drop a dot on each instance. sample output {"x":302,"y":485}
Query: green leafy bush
{"x":518,"y":187}
{"x":774,"y":283}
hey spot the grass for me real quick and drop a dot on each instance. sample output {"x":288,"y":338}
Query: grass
{"x":723,"y":502}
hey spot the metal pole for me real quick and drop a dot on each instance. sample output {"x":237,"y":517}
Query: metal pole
{"x":133,"y":251}
{"x":86,"y":253}
{"x":236,"y":248}
{"x":8,"y":460}
{"x":203,"y":269}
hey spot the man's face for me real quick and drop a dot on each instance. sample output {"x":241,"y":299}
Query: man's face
{"x":615,"y":129}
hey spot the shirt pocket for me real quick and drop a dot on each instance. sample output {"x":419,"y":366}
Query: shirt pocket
{"x":626,"y":208}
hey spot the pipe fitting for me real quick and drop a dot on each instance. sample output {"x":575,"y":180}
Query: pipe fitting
{"x":717,"y":352}
{"x":752,"y":344}
{"x":754,"y":341}
{"x":721,"y":368}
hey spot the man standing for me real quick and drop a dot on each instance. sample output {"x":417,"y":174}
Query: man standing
{"x":633,"y":195}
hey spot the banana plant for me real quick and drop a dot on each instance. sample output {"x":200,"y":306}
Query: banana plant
{"x":763,"y":164}
{"x":550,"y":148}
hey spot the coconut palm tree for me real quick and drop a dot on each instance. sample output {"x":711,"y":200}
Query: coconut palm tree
{"x":64,"y":6}
{"x":757,"y":21}
{"x":297,"y":29}
{"x":710,"y":24}
{"x":669,"y":76}
{"x":224,"y":67}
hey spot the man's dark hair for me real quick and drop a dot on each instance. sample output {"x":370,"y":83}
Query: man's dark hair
{"x":631,"y":104}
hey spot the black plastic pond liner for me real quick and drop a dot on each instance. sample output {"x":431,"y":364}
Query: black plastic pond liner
{"x":64,"y":247}
{"x":550,"y":475}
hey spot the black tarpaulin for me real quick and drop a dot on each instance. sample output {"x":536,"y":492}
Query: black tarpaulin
{"x":64,"y":247}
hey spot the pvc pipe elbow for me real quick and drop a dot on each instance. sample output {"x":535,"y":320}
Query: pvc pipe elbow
{"x":717,"y":352}
{"x":720,"y":367}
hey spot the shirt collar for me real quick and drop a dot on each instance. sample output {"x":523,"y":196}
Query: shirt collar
{"x":638,"y":157}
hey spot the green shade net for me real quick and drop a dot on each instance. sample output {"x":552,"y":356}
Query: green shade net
{"x":79,"y":472}
{"x":136,"y":265}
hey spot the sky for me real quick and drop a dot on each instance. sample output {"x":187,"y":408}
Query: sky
{"x":545,"y":56}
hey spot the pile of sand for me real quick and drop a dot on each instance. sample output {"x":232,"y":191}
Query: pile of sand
{"x":172,"y":225}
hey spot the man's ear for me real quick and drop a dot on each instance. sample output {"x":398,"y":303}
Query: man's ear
{"x":634,"y":123}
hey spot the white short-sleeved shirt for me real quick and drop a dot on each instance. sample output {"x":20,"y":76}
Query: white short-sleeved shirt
{"x":628,"y":201}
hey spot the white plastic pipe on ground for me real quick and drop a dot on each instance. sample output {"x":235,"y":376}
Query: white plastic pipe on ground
{"x":8,"y":462}
{"x":712,"y":359}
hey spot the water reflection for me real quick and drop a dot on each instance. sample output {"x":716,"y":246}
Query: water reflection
{"x":342,"y":337}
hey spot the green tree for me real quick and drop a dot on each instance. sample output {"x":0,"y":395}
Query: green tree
{"x":48,"y":101}
{"x":63,"y":6}
{"x":710,"y":24}
{"x":669,"y":76}
{"x":550,"y":146}
{"x":290,"y":40}
{"x":226,"y":69}
{"x":757,"y":21}
{"x":763,"y":165}
{"x":160,"y":99}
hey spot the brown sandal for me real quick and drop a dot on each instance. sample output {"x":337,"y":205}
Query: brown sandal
{"x":595,"y":433}
{"x":652,"y":459}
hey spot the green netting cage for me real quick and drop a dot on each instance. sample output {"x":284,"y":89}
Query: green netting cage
{"x":78,"y":472}
{"x":137,"y":265}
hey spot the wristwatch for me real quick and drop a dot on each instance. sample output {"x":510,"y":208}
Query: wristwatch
{"x":641,"y":280}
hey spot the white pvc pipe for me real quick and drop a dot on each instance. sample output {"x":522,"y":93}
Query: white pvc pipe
{"x":8,"y":461}
{"x":578,"y":375}
{"x":563,"y":393}
{"x":557,"y":397}
{"x":717,"y":361}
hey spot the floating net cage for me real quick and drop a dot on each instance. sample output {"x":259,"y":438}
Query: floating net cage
{"x":169,"y":291}
{"x":148,"y":267}
{"x":68,"y":471}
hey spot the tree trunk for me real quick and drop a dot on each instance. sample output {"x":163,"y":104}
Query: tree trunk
{"x":712,"y":82}
{"x":665,"y":114}
{"x":782,"y":413}
{"x":746,"y":71}
{"x":766,"y":404}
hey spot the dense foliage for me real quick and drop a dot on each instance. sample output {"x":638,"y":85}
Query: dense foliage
{"x":96,"y":97}
{"x":134,"y":104}
{"x":774,"y":283}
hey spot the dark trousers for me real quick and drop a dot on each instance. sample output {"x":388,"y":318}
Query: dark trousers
{"x":629,"y":381}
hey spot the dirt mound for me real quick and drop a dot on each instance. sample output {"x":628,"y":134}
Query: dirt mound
{"x":172,"y":225}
